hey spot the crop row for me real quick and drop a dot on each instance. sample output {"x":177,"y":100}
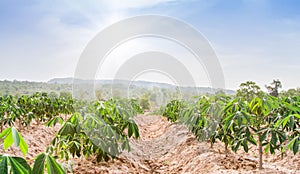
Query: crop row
{"x":98,"y":128}
{"x":265,"y":121}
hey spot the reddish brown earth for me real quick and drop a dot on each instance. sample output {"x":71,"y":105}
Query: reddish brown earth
{"x":164,"y":147}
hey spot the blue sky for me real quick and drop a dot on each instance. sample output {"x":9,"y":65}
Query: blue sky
{"x":256,"y":40}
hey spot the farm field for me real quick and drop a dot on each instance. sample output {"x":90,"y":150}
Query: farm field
{"x":159,"y":151}
{"x":150,"y":87}
{"x":249,"y":132}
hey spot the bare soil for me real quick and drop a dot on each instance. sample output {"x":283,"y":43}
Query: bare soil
{"x":164,"y":147}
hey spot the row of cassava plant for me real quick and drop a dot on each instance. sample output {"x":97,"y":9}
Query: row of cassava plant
{"x":100,"y":128}
{"x":265,"y":121}
{"x":39,"y":106}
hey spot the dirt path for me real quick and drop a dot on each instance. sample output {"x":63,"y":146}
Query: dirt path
{"x":165,"y":147}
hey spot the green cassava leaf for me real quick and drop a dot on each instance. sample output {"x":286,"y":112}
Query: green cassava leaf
{"x":23,"y":146}
{"x":8,"y":141}
{"x":39,"y":164}
{"x":53,"y":167}
{"x":5,"y":132}
{"x":245,"y":145}
{"x":16,"y":136}
{"x":18,"y":168}
{"x":296,"y":146}
{"x":130,"y":129}
{"x":23,"y":163}
{"x":54,"y":121}
{"x":3,"y":165}
{"x":136,"y":131}
{"x":67,"y":129}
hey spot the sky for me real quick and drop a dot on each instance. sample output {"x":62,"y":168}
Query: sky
{"x":257,"y":40}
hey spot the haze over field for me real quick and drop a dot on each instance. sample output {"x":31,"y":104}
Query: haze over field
{"x":256,"y":40}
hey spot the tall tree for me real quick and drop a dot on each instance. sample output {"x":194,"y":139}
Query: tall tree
{"x":249,"y":90}
{"x":273,"y":88}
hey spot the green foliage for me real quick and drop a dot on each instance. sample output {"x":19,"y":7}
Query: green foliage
{"x":103,"y":128}
{"x":136,"y":107}
{"x":203,"y":117}
{"x":17,"y":165}
{"x":39,"y":107}
{"x":23,"y":109}
{"x":261,"y":120}
{"x":172,"y":110}
{"x":54,"y":121}
{"x":290,"y":93}
{"x":14,"y":165}
{"x":12,"y":136}
{"x":43,"y":161}
{"x":9,"y":111}
{"x":100,"y":130}
{"x":144,"y":102}
{"x":255,"y":119}
{"x":248,"y":91}
{"x":66,"y":95}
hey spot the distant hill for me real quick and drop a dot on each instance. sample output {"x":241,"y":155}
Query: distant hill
{"x":68,"y":80}
{"x":143,"y":84}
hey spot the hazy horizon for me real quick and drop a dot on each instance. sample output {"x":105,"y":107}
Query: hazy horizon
{"x":136,"y":80}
